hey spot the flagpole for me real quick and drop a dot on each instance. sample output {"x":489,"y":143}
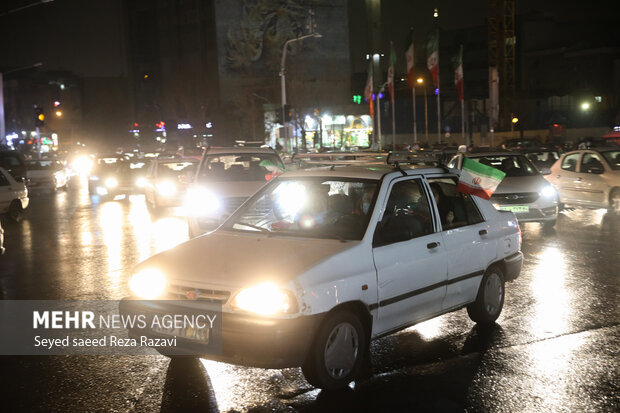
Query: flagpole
{"x":379,"y":115}
{"x":393,"y":125}
{"x":415,"y":128}
{"x":436,"y":15}
{"x":466,"y":138}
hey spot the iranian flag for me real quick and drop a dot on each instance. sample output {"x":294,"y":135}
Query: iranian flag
{"x":409,"y":56}
{"x":390,"y":79}
{"x":458,"y":72}
{"x":478,"y":179}
{"x":432,"y":55}
{"x":368,"y":91}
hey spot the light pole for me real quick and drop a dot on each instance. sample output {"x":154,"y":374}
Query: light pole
{"x":420,"y":81}
{"x":283,"y":76}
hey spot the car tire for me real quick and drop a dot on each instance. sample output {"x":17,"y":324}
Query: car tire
{"x":15,"y":211}
{"x":547,"y":225}
{"x":490,"y":300}
{"x":614,"y":201}
{"x":341,"y":334}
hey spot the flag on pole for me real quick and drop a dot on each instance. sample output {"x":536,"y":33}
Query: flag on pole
{"x":409,"y":57}
{"x":390,"y":79}
{"x":368,"y":91}
{"x":479,"y":179}
{"x":432,"y":54}
{"x":458,"y":72}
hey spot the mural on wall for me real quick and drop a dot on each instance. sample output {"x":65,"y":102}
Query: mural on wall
{"x":264,"y":27}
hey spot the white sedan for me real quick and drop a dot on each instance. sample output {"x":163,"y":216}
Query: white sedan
{"x":588,"y":178}
{"x":319,"y":262}
{"x":47,"y":174}
{"x":13,"y":196}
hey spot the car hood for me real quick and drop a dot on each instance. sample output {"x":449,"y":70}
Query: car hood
{"x":514,"y":184}
{"x":236,"y":260}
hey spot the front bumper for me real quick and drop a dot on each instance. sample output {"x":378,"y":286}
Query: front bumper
{"x":247,"y":339}
{"x":512,"y":266}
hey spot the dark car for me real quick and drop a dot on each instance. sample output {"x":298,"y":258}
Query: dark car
{"x":112,"y":179}
{"x":13,"y":162}
{"x":521,"y":143}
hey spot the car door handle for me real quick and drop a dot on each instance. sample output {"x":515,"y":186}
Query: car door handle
{"x":482,"y":232}
{"x":432,"y":245}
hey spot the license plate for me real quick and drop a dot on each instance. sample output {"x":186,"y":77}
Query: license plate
{"x":189,"y":333}
{"x":515,"y":208}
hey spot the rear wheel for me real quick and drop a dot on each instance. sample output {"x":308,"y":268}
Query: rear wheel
{"x":338,"y":352}
{"x":490,"y":300}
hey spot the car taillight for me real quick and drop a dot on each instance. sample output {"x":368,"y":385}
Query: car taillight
{"x":520,"y":235}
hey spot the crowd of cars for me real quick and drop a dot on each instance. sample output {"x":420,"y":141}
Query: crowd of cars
{"x":340,"y":248}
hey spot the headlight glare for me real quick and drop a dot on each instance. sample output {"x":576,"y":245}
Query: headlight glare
{"x":166,"y":188}
{"x":266,"y":299}
{"x":111,"y":183}
{"x":548,"y":191}
{"x":148,"y":284}
{"x":140,"y":182}
{"x":201,"y":202}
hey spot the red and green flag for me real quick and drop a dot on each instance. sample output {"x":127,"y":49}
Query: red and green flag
{"x":458,"y":72}
{"x":390,"y":79}
{"x":432,"y":55}
{"x":368,"y":91}
{"x":479,"y":179}
{"x":409,"y":57}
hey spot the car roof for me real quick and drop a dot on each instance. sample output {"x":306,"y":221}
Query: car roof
{"x":241,"y":150}
{"x":362,"y":172}
{"x":492,"y":153}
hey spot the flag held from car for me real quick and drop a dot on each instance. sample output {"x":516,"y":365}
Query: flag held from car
{"x":478,"y":179}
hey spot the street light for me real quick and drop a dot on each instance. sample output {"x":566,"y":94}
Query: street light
{"x":420,"y":81}
{"x":283,"y":71}
{"x":585,"y":106}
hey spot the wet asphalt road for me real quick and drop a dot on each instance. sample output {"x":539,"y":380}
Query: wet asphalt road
{"x":554,"y":348}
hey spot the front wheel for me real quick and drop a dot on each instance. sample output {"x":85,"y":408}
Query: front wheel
{"x":490,"y":300}
{"x":15,"y":211}
{"x":547,"y":225}
{"x":338,"y":352}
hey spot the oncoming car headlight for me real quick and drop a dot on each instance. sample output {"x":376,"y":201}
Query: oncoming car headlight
{"x":149,"y":283}
{"x":111,"y":183}
{"x":166,"y":188}
{"x":266,"y":299}
{"x":548,"y":191}
{"x":201,"y":201}
{"x":140,"y":182}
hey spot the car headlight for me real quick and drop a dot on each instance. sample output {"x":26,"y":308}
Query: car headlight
{"x":140,"y":182}
{"x":201,"y":201}
{"x":548,"y":191}
{"x":111,"y":183}
{"x":149,"y":283}
{"x":266,"y":299}
{"x":101,"y":191}
{"x":166,"y":188}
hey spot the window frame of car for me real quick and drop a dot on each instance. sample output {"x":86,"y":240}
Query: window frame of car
{"x":382,"y":210}
{"x":571,"y":155}
{"x":587,"y":169}
{"x":465,"y":197}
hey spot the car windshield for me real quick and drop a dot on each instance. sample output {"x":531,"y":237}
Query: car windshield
{"x":512,"y":165}
{"x":41,"y":165}
{"x":310,"y":208}
{"x":547,"y":157}
{"x":240,"y":167}
{"x":613,"y":159}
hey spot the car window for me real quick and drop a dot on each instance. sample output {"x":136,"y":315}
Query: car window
{"x":613,"y":159}
{"x":407,"y":214}
{"x":310,"y":207}
{"x":590,"y":160}
{"x":240,"y":167}
{"x":569,"y":163}
{"x":455,"y":208}
{"x":511,"y":165}
{"x":174,"y":169}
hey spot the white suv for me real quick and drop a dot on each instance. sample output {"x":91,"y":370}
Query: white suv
{"x":319,"y":262}
{"x":225,"y":179}
{"x":13,"y":196}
